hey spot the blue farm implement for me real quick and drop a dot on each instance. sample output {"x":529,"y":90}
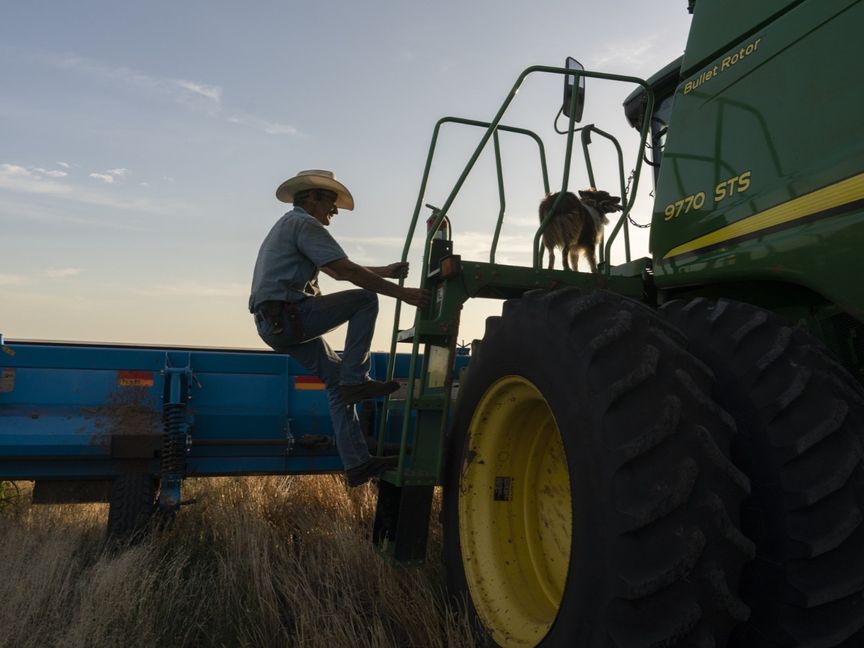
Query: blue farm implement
{"x":86,"y":420}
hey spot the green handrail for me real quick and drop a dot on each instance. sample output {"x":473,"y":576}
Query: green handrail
{"x":430,"y":231}
{"x":502,"y":201}
{"x":649,"y":109}
{"x":491,"y":129}
{"x":586,"y":141}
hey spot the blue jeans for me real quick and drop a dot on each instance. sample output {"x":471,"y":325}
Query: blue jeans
{"x":320,"y":315}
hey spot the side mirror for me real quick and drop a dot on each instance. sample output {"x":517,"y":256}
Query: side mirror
{"x":569,"y":85}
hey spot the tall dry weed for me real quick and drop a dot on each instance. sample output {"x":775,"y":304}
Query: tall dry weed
{"x":267,"y":561}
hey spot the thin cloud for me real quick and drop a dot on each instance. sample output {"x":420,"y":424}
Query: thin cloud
{"x":176,"y":89}
{"x":628,"y":54}
{"x":522,"y":222}
{"x":62,"y":273}
{"x":110,"y":175}
{"x":51,"y":174}
{"x":213,"y":93}
{"x":196,"y":289}
{"x":192,"y":94}
{"x":65,"y":165}
{"x":14,"y":170}
{"x":475,"y":246}
{"x":30,"y":212}
{"x":271,"y":128}
{"x":379,"y":241}
{"x":371,"y":250}
{"x":17,"y":178}
{"x":12,"y":280}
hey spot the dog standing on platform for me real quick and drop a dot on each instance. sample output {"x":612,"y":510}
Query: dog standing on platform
{"x":577,"y":225}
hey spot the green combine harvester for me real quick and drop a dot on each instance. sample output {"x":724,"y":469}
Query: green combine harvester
{"x":664,"y":453}
{"x":667,"y":452}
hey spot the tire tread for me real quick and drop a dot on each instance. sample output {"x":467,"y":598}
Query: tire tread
{"x":806,"y":466}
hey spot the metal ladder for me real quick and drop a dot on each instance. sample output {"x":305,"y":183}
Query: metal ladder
{"x":405,"y":493}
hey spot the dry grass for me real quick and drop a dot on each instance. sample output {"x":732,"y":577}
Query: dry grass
{"x":266,"y":561}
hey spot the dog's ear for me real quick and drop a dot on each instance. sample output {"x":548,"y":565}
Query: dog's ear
{"x":592,"y":193}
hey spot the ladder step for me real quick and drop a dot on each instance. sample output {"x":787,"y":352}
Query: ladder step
{"x":410,"y":478}
{"x":421,"y":403}
{"x":428,"y":333}
{"x":405,"y":336}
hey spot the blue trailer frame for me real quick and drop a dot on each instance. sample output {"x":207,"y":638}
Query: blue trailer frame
{"x":77,"y":412}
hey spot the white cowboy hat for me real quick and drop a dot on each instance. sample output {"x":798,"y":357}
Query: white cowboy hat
{"x":315,"y":179}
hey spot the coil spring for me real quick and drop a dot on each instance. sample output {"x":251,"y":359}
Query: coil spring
{"x":174,"y":440}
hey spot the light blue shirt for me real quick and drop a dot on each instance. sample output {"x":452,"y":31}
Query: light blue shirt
{"x":289,"y":259}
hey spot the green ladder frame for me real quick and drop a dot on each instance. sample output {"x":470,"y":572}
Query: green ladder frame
{"x":405,"y":493}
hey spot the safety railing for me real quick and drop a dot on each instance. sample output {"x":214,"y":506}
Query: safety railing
{"x":495,"y":125}
{"x":491,"y":132}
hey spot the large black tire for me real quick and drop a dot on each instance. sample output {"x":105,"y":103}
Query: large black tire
{"x":589,"y":499}
{"x":801,"y":417}
{"x":133,"y":502}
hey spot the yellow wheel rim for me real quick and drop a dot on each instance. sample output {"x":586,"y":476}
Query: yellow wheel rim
{"x":515,"y":513}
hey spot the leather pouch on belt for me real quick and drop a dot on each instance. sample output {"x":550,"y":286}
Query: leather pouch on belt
{"x":273,"y":313}
{"x":294,"y":317}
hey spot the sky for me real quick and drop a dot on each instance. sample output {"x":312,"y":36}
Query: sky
{"x":141,"y":144}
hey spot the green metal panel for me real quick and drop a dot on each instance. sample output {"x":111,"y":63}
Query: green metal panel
{"x":719,"y":23}
{"x":762,"y":173}
{"x":799,"y":255}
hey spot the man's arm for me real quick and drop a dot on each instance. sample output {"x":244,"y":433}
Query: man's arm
{"x":346,"y":270}
{"x":398,"y":270}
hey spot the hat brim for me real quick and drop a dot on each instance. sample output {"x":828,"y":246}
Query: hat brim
{"x":288,"y":189}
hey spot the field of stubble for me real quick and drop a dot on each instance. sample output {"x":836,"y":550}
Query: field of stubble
{"x":266,"y":561}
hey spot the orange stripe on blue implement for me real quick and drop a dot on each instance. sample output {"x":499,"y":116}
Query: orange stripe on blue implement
{"x":308,"y":383}
{"x":135,"y":378}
